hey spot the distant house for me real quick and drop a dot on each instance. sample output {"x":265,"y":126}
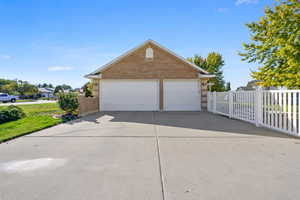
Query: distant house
{"x":252,"y":85}
{"x":79,"y":90}
{"x":67,"y":90}
{"x":46,"y":92}
{"x":277,"y":88}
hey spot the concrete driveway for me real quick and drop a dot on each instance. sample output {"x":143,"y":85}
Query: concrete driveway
{"x":151,"y":155}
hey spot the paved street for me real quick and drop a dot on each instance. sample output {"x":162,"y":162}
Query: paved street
{"x":151,"y":155}
{"x":25,"y":103}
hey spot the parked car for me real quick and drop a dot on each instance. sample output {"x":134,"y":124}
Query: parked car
{"x":4,"y":97}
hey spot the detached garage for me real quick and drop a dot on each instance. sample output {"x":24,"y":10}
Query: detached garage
{"x":150,"y":78}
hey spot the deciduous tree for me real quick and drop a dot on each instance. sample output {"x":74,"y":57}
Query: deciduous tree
{"x":228,"y":86}
{"x":275,"y":45}
{"x":213,"y":63}
{"x":87,"y":89}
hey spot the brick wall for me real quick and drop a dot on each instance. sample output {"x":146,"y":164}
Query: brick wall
{"x":164,"y":65}
{"x":204,"y":91}
{"x":88,"y":105}
{"x":95,"y":90}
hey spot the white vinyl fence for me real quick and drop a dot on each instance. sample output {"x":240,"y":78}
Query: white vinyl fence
{"x":275,"y":109}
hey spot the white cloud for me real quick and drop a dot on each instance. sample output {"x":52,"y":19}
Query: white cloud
{"x":5,"y":57}
{"x":222,"y":10}
{"x":60,"y":68}
{"x":239,"y":2}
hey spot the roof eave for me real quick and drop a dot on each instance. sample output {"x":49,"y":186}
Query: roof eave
{"x":92,"y":76}
{"x":102,"y":68}
{"x":206,"y":75}
{"x":180,"y":57}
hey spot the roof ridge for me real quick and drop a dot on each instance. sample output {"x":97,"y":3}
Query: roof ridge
{"x":103,"y":67}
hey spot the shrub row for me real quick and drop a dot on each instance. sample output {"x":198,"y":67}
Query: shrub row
{"x":67,"y":102}
{"x":11,"y":113}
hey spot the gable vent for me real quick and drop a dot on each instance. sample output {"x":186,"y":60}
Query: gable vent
{"x":149,"y":53}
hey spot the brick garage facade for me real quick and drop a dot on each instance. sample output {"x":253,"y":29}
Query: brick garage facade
{"x":204,"y":90}
{"x":88,"y":105}
{"x":165,"y":65}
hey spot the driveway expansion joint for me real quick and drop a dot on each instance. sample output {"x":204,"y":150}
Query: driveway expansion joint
{"x":159,"y":159}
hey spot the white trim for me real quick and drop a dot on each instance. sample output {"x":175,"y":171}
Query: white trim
{"x":102,"y":68}
{"x":99,"y":76}
{"x":200,"y":91}
{"x":149,"y":53}
{"x":178,"y":56}
{"x":206,"y":75}
{"x":181,"y":79}
{"x":100,"y":94}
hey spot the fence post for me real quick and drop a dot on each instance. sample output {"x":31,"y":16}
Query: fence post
{"x":208,"y":102}
{"x":214,"y":101}
{"x":230,"y":104}
{"x":258,"y":106}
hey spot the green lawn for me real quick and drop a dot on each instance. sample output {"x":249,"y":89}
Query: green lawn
{"x":38,"y":116}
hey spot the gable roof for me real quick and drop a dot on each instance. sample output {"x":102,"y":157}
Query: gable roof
{"x":104,"y":67}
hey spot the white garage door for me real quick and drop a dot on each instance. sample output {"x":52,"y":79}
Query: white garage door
{"x":129,"y":95}
{"x":181,"y":95}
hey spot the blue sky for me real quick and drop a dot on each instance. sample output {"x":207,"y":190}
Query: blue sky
{"x":60,"y":41}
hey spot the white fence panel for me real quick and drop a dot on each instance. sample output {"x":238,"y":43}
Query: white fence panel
{"x":210,"y":102}
{"x":222,"y":103}
{"x":281,"y":111}
{"x":275,"y":109}
{"x":244,"y":106}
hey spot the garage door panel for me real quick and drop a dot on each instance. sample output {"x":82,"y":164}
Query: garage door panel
{"x":181,"y":95}
{"x":128,"y":95}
